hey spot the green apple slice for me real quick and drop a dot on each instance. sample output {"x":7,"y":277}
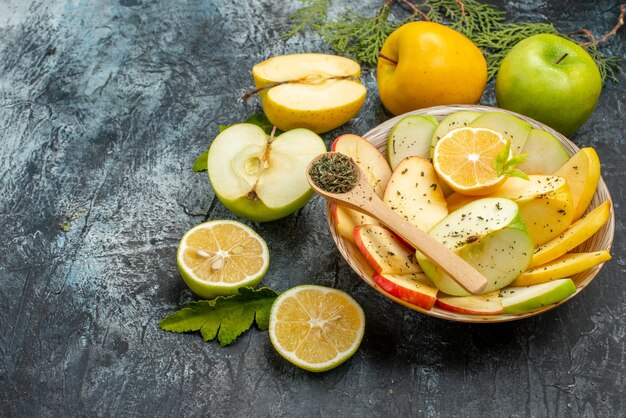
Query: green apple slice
{"x":411,"y":136}
{"x":528,"y":298}
{"x":452,"y":121}
{"x":490,"y":235}
{"x":511,"y":127}
{"x":545,"y":153}
{"x":262,"y":178}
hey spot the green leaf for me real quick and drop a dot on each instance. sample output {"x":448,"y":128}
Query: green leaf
{"x":500,"y":160}
{"x":225,"y":317}
{"x":263,"y":122}
{"x":201,"y":163}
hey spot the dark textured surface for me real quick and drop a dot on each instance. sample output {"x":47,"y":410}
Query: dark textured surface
{"x":104,"y":106}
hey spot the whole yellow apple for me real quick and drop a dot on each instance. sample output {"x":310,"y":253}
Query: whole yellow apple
{"x":423,"y":64}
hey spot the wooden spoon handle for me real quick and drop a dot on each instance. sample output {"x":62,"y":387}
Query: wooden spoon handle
{"x":457,"y":268}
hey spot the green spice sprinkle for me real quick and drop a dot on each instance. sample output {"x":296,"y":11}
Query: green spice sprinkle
{"x":334,"y":173}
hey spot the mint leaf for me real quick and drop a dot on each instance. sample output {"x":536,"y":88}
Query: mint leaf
{"x":201,"y":163}
{"x":504,"y":165}
{"x":225,"y":317}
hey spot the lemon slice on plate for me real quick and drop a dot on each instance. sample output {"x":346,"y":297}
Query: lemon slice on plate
{"x":218,"y":257}
{"x":464,"y":157}
{"x":316,"y":328}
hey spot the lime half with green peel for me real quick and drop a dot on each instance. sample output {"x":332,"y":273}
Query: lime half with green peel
{"x":218,"y":257}
{"x":316,"y":328}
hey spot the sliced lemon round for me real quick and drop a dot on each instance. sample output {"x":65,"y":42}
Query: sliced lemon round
{"x":464,"y":159}
{"x":316,"y":328}
{"x":218,"y":257}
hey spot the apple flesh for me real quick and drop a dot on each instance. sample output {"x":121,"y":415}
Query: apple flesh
{"x":487,"y":304}
{"x":385,"y":251}
{"x":544,"y":153}
{"x":414,"y":288}
{"x":576,"y":234}
{"x":490,"y":235}
{"x":262,"y":178}
{"x":519,"y":299}
{"x":582,"y":173}
{"x":511,"y":127}
{"x":414,"y":193}
{"x":347,"y":219}
{"x":315,"y":91}
{"x":411,"y":136}
{"x":564,"y":266}
{"x":550,"y":79}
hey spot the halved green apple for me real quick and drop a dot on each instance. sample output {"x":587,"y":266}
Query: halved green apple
{"x":315,"y":91}
{"x":411,"y":136}
{"x":259,"y":177}
{"x":490,"y":235}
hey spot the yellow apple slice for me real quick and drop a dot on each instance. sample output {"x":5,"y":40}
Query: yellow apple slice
{"x":582,"y":173}
{"x":564,"y":266}
{"x":414,"y":193}
{"x":315,"y":91}
{"x":575,"y":235}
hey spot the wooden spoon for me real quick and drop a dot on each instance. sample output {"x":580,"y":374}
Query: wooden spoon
{"x":362,"y":198}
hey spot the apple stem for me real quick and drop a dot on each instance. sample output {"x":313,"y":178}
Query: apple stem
{"x":304,"y":80}
{"x":561,"y":59}
{"x":387,"y":58}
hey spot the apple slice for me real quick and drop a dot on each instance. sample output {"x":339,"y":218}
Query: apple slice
{"x":512,"y":128}
{"x":315,"y":91}
{"x":490,"y":235}
{"x":375,"y":167}
{"x":384,"y":251}
{"x":413,"y":288}
{"x":545,"y":204}
{"x":582,"y":173}
{"x":452,"y":121}
{"x":347,"y":219}
{"x":576,"y":234}
{"x":414,"y":193}
{"x":544,"y":153}
{"x":411,"y":136}
{"x":519,"y":299}
{"x":262,"y":178}
{"x":515,"y":188}
{"x":487,"y":304}
{"x":367,"y":157}
{"x":564,"y":266}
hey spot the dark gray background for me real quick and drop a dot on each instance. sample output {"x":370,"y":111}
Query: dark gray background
{"x":104,"y":105}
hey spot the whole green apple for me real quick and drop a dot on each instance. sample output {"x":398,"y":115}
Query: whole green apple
{"x":550,"y":79}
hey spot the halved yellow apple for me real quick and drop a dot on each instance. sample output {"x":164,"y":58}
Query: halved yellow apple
{"x":315,"y":91}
